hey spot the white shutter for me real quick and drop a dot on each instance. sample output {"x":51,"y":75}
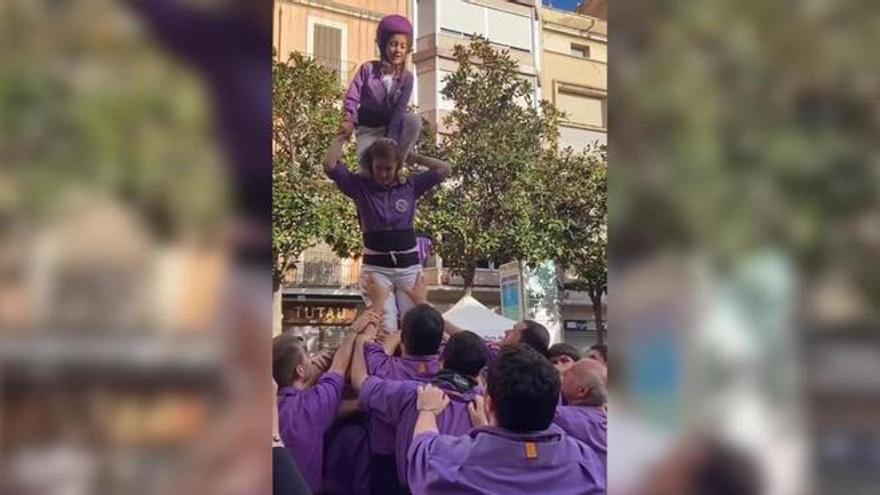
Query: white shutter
{"x":462,"y":17}
{"x":510,"y":29}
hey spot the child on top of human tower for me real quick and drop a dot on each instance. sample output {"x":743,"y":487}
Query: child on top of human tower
{"x":377,"y":100}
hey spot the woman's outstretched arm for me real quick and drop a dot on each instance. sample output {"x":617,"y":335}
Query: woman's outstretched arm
{"x":334,"y":153}
{"x":442,"y":168}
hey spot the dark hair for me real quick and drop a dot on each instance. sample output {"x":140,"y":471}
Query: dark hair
{"x":524,"y":387}
{"x":563,"y":349}
{"x":384,"y":148}
{"x":287,"y":354}
{"x":603,"y":351}
{"x":465,"y":353}
{"x":726,"y":470}
{"x":536,"y":336}
{"x":422,"y":330}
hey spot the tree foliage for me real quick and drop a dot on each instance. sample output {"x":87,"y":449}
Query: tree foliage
{"x":738,"y":138}
{"x":306,"y":207}
{"x":96,"y":107}
{"x":497,"y":140}
{"x":575,"y":194}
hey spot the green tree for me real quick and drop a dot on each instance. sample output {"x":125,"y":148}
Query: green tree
{"x":574,"y":195}
{"x":497,"y":139}
{"x":764,"y":142}
{"x":306,"y":207}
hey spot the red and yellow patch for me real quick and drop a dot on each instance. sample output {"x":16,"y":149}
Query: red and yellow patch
{"x":531,"y":450}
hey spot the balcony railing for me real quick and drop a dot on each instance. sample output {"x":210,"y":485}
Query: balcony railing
{"x":344,"y":69}
{"x":325,"y":269}
{"x":484,"y":277}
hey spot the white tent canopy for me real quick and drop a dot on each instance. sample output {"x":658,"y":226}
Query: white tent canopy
{"x":470,"y":314}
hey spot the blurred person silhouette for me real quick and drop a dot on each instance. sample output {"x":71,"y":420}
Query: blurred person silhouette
{"x":705,"y":465}
{"x":230,"y":46}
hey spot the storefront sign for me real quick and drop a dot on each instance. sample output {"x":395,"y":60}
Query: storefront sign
{"x":320,"y":315}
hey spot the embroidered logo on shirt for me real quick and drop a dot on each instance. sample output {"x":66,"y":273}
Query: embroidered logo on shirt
{"x":531,"y":450}
{"x":423,"y":368}
{"x":400,"y":205}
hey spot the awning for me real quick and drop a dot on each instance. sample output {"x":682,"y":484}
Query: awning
{"x":470,"y":314}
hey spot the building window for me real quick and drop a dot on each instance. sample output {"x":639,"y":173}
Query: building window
{"x":327,"y":44}
{"x":583,"y":108}
{"x":500,"y":27}
{"x":582,"y":51}
{"x":585,"y":326}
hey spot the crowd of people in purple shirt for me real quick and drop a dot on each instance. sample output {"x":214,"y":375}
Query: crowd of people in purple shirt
{"x":434,"y":409}
{"x":410,"y":403}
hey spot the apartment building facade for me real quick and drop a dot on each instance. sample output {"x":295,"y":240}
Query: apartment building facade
{"x":575,"y":74}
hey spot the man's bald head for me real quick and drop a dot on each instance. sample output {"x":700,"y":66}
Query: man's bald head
{"x":584,"y":383}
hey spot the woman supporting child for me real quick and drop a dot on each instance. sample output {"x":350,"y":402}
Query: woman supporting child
{"x":386,"y":208}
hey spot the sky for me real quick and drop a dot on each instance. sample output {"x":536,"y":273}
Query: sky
{"x":563,"y":4}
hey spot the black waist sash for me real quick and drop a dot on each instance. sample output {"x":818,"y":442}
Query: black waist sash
{"x":390,"y":241}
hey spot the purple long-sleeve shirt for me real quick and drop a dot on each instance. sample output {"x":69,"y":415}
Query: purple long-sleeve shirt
{"x":395,"y":402}
{"x":303,"y":418}
{"x":381,"y":365}
{"x":347,"y":459}
{"x":384,"y":208}
{"x":587,"y":424}
{"x":493,"y":460}
{"x":369,"y":104}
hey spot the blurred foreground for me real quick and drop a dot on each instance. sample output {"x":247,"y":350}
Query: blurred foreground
{"x":135,"y":296}
{"x":745,"y":235}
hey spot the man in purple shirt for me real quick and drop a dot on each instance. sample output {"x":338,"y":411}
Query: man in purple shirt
{"x":520,"y":451}
{"x":527,"y":332}
{"x":308,"y":399}
{"x":563,"y":355}
{"x":420,"y":338}
{"x":386,"y":207}
{"x":395,"y":401}
{"x":584,"y":418}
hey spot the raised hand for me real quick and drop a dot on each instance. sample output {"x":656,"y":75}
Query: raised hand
{"x":477,"y":411}
{"x":323,"y":360}
{"x":431,"y":399}
{"x":419,"y":292}
{"x":345,"y":130}
{"x":365,"y":320}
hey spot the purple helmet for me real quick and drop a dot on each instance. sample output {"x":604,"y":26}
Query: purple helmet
{"x":389,"y":26}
